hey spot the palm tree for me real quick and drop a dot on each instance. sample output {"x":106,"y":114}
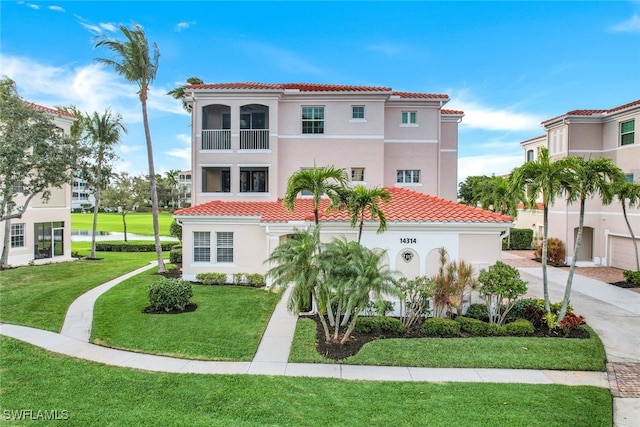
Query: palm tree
{"x":629,"y":193}
{"x":589,"y":177}
{"x":354,"y":274}
{"x":137,"y":64}
{"x":172,"y":179}
{"x":103,"y":132}
{"x":495,"y":195}
{"x":179,"y":92}
{"x":547,"y":179}
{"x":296,"y":262}
{"x":361,"y":200}
{"x":328,"y":181}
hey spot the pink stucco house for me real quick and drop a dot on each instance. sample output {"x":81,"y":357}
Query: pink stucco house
{"x":249,"y":138}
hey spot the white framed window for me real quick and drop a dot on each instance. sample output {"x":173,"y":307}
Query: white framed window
{"x":408,"y":118}
{"x":357,"y":174}
{"x":313,"y":119}
{"x":627,"y":130}
{"x":201,"y":246}
{"x":357,"y":111}
{"x":530,"y":155}
{"x":408,"y":176}
{"x":628,"y":177}
{"x":18,"y":187}
{"x":224,"y":246}
{"x":17,"y":235}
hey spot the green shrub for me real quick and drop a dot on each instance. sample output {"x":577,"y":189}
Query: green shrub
{"x":212,"y":278}
{"x":256,"y":280}
{"x":518,"y":311}
{"x":519,"y":328}
{"x":378,"y":324}
{"x":495,"y":330}
{"x":631,"y":277}
{"x":239,"y":279}
{"x":475,"y":327}
{"x":521,"y":238}
{"x":133,"y":246}
{"x":175,"y":255}
{"x":478,"y":311}
{"x":175,"y":230}
{"x":556,"y":252}
{"x":169,"y":294}
{"x":438,"y":327}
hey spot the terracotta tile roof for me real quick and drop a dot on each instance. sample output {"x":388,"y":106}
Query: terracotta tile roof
{"x":405,"y":206}
{"x":302,"y":87}
{"x":49,"y":110}
{"x":314,"y":87}
{"x":593,"y":112}
{"x":420,"y":95}
{"x":454,"y":112}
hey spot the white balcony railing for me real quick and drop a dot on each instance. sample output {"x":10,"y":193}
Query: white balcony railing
{"x":254,"y":139}
{"x":216,"y":139}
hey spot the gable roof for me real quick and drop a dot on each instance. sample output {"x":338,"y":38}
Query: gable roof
{"x":592,"y":113}
{"x":405,"y":206}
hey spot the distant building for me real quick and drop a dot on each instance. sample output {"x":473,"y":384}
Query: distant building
{"x":184,"y":189}
{"x":82,"y":199}
{"x":43,"y":234}
{"x":590,"y":134}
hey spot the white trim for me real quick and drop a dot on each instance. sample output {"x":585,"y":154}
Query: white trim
{"x":357,"y":120}
{"x":216,"y":194}
{"x":328,"y":136}
{"x":409,"y":125}
{"x":215,"y":151}
{"x":448,"y":150}
{"x":254,"y":165}
{"x":408,"y":184}
{"x":214,"y":165}
{"x":253,"y":194}
{"x":411,"y":141}
{"x":254,"y":151}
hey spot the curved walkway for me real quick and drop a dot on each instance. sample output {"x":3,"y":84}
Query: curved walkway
{"x":273,"y":352}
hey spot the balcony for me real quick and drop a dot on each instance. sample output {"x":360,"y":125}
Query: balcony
{"x":216,"y":139}
{"x":254,"y":139}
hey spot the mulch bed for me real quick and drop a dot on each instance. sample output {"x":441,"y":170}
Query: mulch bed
{"x":192,"y":306}
{"x":337,"y":351}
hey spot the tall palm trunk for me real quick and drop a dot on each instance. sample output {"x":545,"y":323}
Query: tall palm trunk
{"x":545,"y":245}
{"x":96,"y":206}
{"x":152,"y":180}
{"x":633,"y":237}
{"x":572,"y":268}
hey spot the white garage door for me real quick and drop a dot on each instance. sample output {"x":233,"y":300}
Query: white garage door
{"x":622,"y":254}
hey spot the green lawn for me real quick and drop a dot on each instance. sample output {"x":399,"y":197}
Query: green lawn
{"x":486,"y":352}
{"x":137,"y":223}
{"x":97,"y":395}
{"x":227,"y":325}
{"x":39,"y":296}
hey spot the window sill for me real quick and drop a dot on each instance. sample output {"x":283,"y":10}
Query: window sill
{"x":258,"y":151}
{"x":409,"y":125}
{"x":249,"y":194}
{"x":216,"y":151}
{"x":409,"y":184}
{"x":358,"y":121}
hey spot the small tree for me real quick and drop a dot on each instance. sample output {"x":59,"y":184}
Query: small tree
{"x":123,"y":195}
{"x":415,"y":296}
{"x":454,"y":279}
{"x":628,"y":193}
{"x":501,"y":285}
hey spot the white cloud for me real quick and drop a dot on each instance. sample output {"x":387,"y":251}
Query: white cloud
{"x":33,"y":6}
{"x":631,"y":25}
{"x":129,"y":148}
{"x":91,"y":87}
{"x":96,"y":29}
{"x":478,"y":116}
{"x":389,"y":49}
{"x":181,"y":153}
{"x":184,"y":25}
{"x":56,"y":8}
{"x":487,"y":164}
{"x":108,"y":26}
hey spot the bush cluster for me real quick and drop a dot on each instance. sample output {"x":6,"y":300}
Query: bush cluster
{"x":478,"y":328}
{"x":378,"y":324}
{"x":133,"y":246}
{"x":478,"y":311}
{"x":556,"y":252}
{"x":631,"y":277}
{"x":170,"y":294}
{"x":212,"y":278}
{"x":520,"y":239}
{"x":519,"y":328}
{"x":439,"y":327}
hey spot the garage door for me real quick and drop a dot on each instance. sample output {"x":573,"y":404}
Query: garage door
{"x":622,"y":254}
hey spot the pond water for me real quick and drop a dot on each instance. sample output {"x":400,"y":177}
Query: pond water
{"x":85,"y":236}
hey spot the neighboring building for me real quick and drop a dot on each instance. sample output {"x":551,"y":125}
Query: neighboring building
{"x":590,"y":134}
{"x":249,"y":138}
{"x":184,"y":189}
{"x":82,"y":199}
{"x":43,"y":234}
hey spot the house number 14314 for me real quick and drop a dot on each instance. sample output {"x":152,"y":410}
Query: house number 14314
{"x":406,"y":240}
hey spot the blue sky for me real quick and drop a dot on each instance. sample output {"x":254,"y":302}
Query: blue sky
{"x":508,"y":65}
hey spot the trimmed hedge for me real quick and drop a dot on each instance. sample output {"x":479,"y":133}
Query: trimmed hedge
{"x":169,"y":294}
{"x":519,"y":328}
{"x":521,"y":238}
{"x":478,"y":311}
{"x":255,"y":280}
{"x":212,"y":278}
{"x":378,"y":324}
{"x":438,"y":327}
{"x":175,"y":255}
{"x":133,"y":246}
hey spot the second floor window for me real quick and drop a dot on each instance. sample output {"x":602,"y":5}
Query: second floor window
{"x":357,"y":174}
{"x":627,"y":130}
{"x":408,"y":118}
{"x":254,"y":180}
{"x":312,"y":119}
{"x":408,"y":176}
{"x":529,"y":155}
{"x":357,"y":111}
{"x":18,"y":187}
